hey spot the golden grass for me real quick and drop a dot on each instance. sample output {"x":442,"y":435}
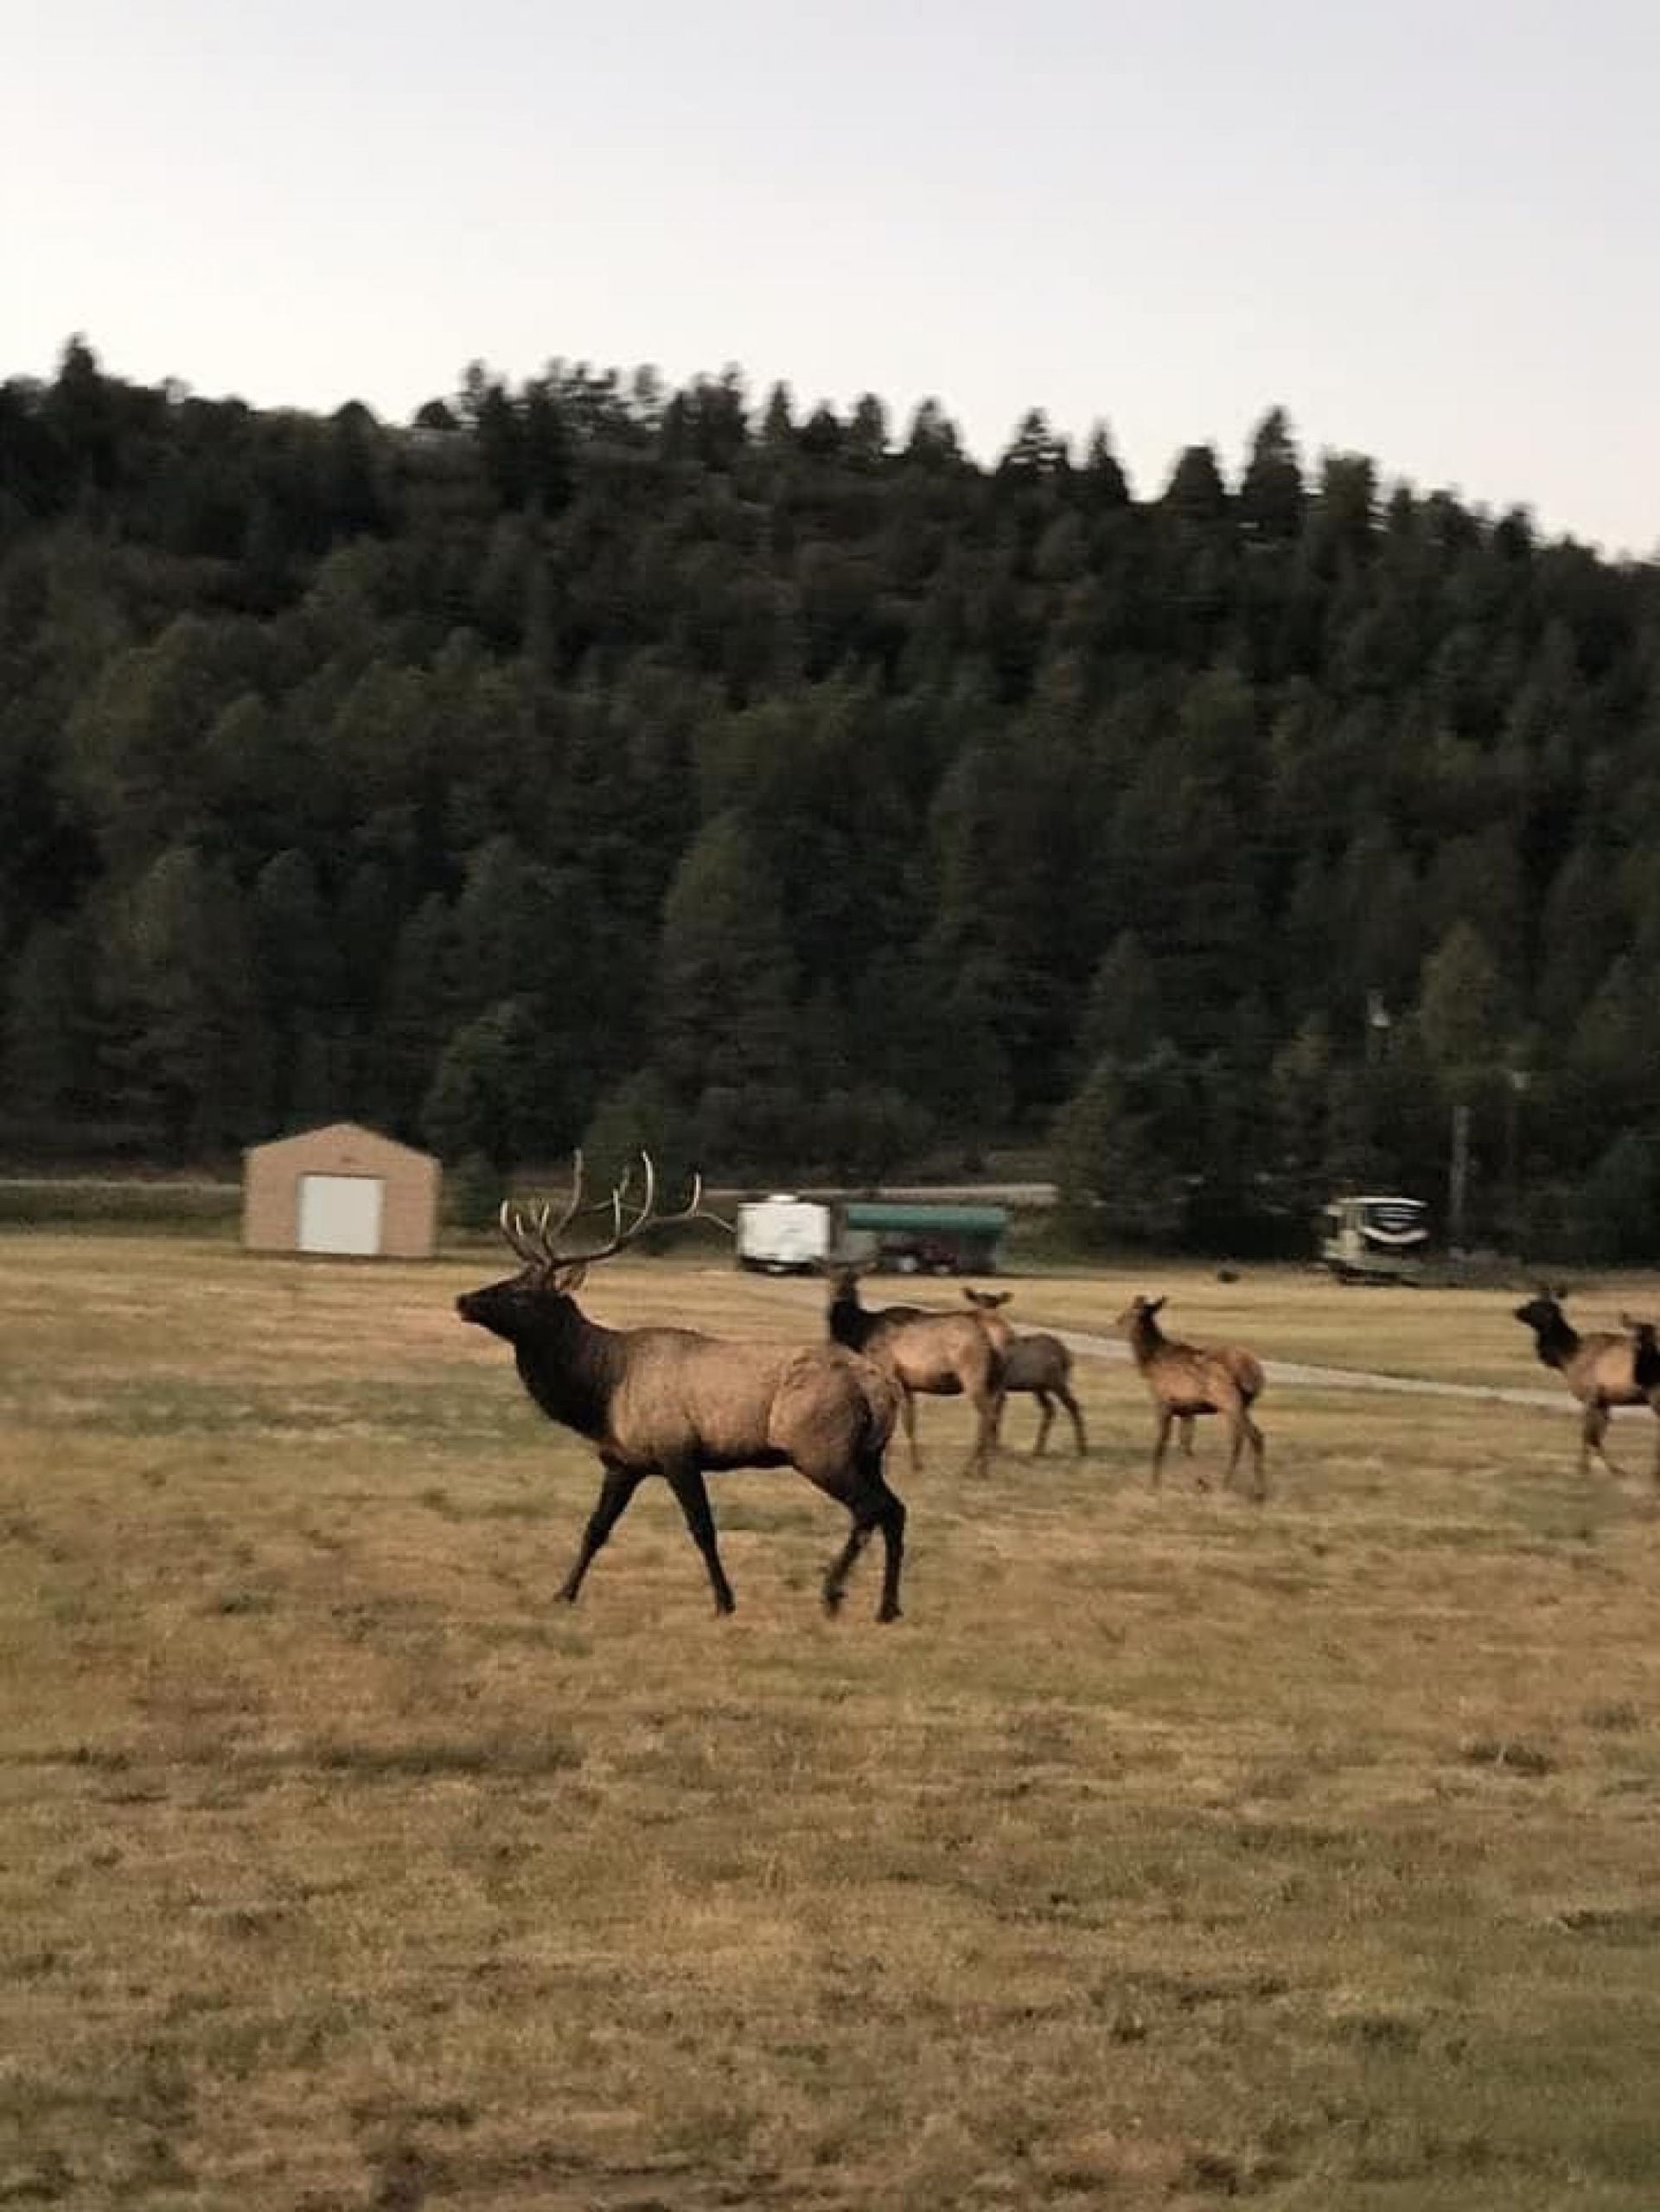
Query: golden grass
{"x":1169,"y":1851}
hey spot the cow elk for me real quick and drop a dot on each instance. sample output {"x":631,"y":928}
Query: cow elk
{"x":1246,"y":1370}
{"x":1603,"y":1368}
{"x":1035,"y":1363}
{"x":1186,"y":1381}
{"x":1645,"y":1356}
{"x":939,"y":1355}
{"x":675,"y":1403}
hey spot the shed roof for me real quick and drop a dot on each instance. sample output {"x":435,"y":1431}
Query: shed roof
{"x":332,"y":1134}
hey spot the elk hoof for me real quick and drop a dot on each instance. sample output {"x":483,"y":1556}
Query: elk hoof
{"x":832,"y":1602}
{"x":885,"y":1613}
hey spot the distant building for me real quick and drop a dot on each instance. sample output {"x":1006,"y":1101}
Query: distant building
{"x":343,"y":1190}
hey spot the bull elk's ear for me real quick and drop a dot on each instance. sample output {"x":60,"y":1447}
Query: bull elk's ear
{"x":1156,"y":1305}
{"x":568,"y":1281}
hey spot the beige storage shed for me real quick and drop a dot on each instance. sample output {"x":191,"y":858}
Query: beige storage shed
{"x":343,"y":1190}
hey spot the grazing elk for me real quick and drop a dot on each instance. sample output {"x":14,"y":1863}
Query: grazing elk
{"x":1035,"y":1363}
{"x":1603,"y":1368}
{"x":675,"y":1403}
{"x":1186,"y":1381}
{"x":942,"y":1354}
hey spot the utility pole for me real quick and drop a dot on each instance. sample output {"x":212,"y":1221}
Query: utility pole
{"x":1458,"y":1175}
{"x":1516,"y":1092}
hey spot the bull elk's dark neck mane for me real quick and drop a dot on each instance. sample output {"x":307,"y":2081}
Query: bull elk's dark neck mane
{"x":571,"y":1367}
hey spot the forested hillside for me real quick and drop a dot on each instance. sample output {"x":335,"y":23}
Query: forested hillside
{"x":591,"y":757}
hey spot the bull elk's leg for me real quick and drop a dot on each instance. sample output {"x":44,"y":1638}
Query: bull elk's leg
{"x":619,"y":1486}
{"x":1185,"y":1432}
{"x":893,"y":1552}
{"x":873,"y":1505}
{"x":1046,"y":1404}
{"x":835,"y":1579}
{"x":692,"y":1492}
{"x":1071,"y":1405}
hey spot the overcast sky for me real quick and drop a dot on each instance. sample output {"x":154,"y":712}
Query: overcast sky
{"x":1429,"y":228}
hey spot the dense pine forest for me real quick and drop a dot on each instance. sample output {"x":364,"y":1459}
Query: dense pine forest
{"x":594,"y":759}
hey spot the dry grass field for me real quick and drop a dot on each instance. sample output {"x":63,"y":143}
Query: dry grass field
{"x":1171,"y":1851}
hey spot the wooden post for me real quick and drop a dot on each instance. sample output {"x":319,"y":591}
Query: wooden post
{"x":1458,"y":1177}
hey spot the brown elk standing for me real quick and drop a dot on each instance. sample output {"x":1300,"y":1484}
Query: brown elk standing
{"x":675,"y":1403}
{"x":940,"y":1354}
{"x":1034,"y":1363}
{"x":1186,"y":1381}
{"x":1602,"y":1368}
{"x":1246,"y":1370}
{"x":1645,"y":1356}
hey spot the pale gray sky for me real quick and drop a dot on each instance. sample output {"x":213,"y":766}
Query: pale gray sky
{"x":1427,"y":227}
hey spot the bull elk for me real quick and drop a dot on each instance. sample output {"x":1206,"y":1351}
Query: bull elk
{"x":676,"y":1403}
{"x":1032,"y":1361}
{"x":1602,"y":1368}
{"x":1186,"y":1381}
{"x":940,"y":1354}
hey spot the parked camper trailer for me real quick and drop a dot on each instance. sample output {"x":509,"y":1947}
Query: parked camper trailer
{"x":1380,"y":1239}
{"x":784,"y":1234}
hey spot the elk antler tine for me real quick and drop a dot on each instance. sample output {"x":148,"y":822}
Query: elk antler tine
{"x":512,"y":1229}
{"x":555,"y":1230}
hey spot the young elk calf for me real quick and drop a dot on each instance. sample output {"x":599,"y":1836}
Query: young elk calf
{"x":674,"y":1403}
{"x":942,"y":1354}
{"x":1186,"y":1381}
{"x":1246,"y":1370}
{"x":1602,"y":1368}
{"x":1038,"y":1362}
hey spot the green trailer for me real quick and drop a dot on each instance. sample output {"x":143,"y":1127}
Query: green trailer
{"x":916,"y":1239}
{"x":784,"y":1234}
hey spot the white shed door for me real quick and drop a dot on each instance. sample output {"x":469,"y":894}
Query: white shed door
{"x":341,"y":1213}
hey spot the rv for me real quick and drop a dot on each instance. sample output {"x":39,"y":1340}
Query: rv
{"x":1375,"y":1240}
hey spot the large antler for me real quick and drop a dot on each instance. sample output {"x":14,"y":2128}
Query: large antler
{"x":538,"y":1243}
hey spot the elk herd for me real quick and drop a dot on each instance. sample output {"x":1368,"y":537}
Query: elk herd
{"x":676,"y":1403}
